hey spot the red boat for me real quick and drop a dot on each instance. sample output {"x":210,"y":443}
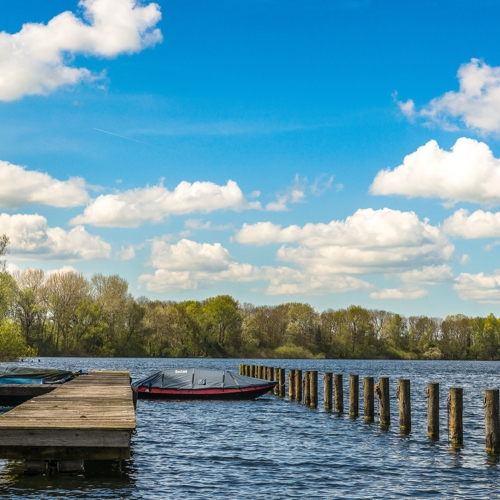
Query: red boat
{"x":194,"y":383}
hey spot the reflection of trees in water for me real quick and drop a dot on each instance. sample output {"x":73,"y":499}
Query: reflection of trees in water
{"x":99,"y":476}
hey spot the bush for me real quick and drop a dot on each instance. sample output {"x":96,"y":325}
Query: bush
{"x":293,"y":352}
{"x":12,"y":343}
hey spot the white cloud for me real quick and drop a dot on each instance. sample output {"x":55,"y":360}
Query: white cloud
{"x":287,"y":281}
{"x":153,"y":204}
{"x":31,"y":237}
{"x":187,"y":254}
{"x":197,"y":224}
{"x":369,"y":241}
{"x":469,"y":172}
{"x":476,"y":104}
{"x":483,"y":288}
{"x":61,"y":270}
{"x":126,"y":253}
{"x":399,"y":294}
{"x":37,"y":59}
{"x":322,"y":184}
{"x":19,"y":187}
{"x":479,"y":224}
{"x":465,"y":259}
{"x":294,"y":194}
{"x":428,"y":275}
{"x":188,"y":265}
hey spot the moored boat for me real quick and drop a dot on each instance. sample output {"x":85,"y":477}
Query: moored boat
{"x":17,"y":375}
{"x":195,"y":383}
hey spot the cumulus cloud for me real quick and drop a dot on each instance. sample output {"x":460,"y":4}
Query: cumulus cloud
{"x":469,"y":172}
{"x":31,"y":237}
{"x":38,"y":59}
{"x":479,"y":224}
{"x":286,"y":281}
{"x":428,"y":275}
{"x":153,"y":204}
{"x":399,"y":294}
{"x":476,"y":104}
{"x":188,"y":265}
{"x":482,"y":288}
{"x":368,"y":241}
{"x":20,"y":187}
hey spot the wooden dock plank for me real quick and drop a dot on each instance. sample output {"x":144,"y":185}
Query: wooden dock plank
{"x":91,"y":417}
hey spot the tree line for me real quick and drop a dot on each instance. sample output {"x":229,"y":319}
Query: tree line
{"x":66,"y":314}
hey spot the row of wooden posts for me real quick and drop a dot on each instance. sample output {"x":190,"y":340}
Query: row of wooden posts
{"x":303,"y":387}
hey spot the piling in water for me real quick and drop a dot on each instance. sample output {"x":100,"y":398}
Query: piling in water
{"x":456,"y":412}
{"x":252,"y":371}
{"x":404,"y":405}
{"x":491,"y":415}
{"x":313,"y":388}
{"x":384,"y":401}
{"x":282,"y":383}
{"x":353,"y":395}
{"x":298,"y":385}
{"x":369,"y":399}
{"x":433,"y":410}
{"x":241,"y":369}
{"x":338,"y":393}
{"x":327,"y":390}
{"x":291,"y":385}
{"x":306,"y":389}
{"x":276,"y":374}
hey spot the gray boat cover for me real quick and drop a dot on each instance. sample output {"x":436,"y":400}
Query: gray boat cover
{"x":48,"y":375}
{"x":195,"y":378}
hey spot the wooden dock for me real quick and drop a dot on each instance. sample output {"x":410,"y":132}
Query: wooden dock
{"x":89,"y":418}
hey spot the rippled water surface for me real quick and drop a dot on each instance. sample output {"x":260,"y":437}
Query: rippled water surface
{"x":273,"y":448}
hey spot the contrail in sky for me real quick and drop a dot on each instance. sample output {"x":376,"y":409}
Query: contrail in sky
{"x":130,"y":139}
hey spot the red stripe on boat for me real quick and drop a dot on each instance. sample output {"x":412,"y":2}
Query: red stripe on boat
{"x":213,"y":391}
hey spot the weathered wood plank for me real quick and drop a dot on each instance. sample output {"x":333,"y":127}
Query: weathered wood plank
{"x":90,"y":417}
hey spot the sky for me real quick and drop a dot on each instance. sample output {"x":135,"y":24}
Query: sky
{"x":333,"y":152}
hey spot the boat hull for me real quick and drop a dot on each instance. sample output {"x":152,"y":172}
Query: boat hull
{"x":205,"y":394}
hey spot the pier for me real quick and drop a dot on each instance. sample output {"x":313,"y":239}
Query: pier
{"x":89,"y":418}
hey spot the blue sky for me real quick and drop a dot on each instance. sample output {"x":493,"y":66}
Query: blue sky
{"x":331,"y":152}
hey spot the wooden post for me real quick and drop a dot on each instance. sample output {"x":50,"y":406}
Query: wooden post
{"x":241,"y":369}
{"x":433,"y":410}
{"x":384,"y":401}
{"x":456,"y":409}
{"x":404,"y":405}
{"x":313,"y":388}
{"x":276,"y":374}
{"x":338,"y":392}
{"x":257,"y":371}
{"x":298,"y":385}
{"x":291,"y":384}
{"x":327,"y":390}
{"x":353,"y":395}
{"x":306,"y":388}
{"x":282,"y":383}
{"x":491,"y":415}
{"x":252,"y":371}
{"x":369,"y":399}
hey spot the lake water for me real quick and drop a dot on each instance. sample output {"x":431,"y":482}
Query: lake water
{"x":275,"y":449}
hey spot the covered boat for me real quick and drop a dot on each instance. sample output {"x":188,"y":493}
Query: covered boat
{"x":195,"y":383}
{"x":28,"y":375}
